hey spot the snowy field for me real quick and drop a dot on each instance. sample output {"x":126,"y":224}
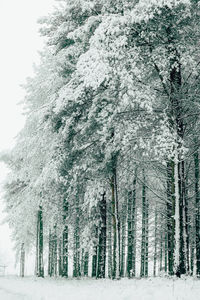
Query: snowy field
{"x":13,"y":288}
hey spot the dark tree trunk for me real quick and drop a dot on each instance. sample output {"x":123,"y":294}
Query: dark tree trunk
{"x":170,"y":216}
{"x":177,"y":238}
{"x":197,"y":204}
{"x":65,"y":241}
{"x":102,"y":239}
{"x":94,"y":256}
{"x":143,"y":244}
{"x":39,"y":245}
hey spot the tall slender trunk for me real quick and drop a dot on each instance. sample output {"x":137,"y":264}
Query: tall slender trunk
{"x":53,"y":259}
{"x":129,"y":236}
{"x":123,"y":238}
{"x":134,"y":228}
{"x":166,"y":242}
{"x":55,"y":252}
{"x":50,"y":255}
{"x":192,"y":242}
{"x":155,"y":243}
{"x":86,"y":261}
{"x":116,"y":228}
{"x":114,"y":254}
{"x":177,"y":127}
{"x":109,"y":239}
{"x":183,"y":219}
{"x":177,"y":218}
{"x":39,"y":244}
{"x":186,"y":216}
{"x":134,"y":241}
{"x":197,"y":215}
{"x":146,"y":239}
{"x":76,"y":250}
{"x":131,"y":222}
{"x":161,"y":250}
{"x":22,"y":260}
{"x":82,"y":262}
{"x":101,"y":267}
{"x":60,"y":258}
{"x":65,"y":240}
{"x":94,"y":256}
{"x":143,"y":248}
{"x":170,"y":216}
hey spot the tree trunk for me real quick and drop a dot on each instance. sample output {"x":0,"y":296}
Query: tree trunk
{"x":53,"y":259}
{"x":76,"y":256}
{"x":50,"y":255}
{"x":123,"y":237}
{"x":109,"y":239}
{"x":39,"y":244}
{"x":85,"y":267}
{"x":102,"y":239}
{"x":170,"y":216}
{"x":177,"y":128}
{"x":131,"y":231}
{"x":155,"y":243}
{"x":60,"y":258}
{"x":197,"y":215}
{"x":94,"y":256}
{"x":161,"y":250}
{"x":166,"y":251}
{"x":65,"y":241}
{"x":143,"y":248}
{"x":146,"y":239}
{"x":22,"y":260}
{"x":55,"y":252}
{"x":177,"y":219}
{"x":116,"y":229}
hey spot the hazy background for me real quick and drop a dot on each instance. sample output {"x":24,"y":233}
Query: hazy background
{"x":19,"y":45}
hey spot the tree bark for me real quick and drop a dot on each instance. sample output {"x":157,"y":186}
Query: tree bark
{"x":155,"y":243}
{"x":94,"y":256}
{"x":131,"y":231}
{"x":143,"y":246}
{"x":39,"y":244}
{"x":197,"y":215}
{"x":65,"y":241}
{"x":102,"y":239}
{"x":76,"y":250}
{"x":22,"y":260}
{"x":116,"y":229}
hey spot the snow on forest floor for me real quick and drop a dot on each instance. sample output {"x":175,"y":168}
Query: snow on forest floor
{"x":29,"y":288}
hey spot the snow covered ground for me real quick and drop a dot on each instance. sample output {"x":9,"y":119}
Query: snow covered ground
{"x":14,"y":288}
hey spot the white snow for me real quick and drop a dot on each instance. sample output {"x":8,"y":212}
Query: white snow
{"x":29,"y":288}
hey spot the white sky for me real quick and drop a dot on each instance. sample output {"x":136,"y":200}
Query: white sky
{"x":19,"y":45}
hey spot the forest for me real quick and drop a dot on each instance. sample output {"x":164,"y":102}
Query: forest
{"x":104,"y":177}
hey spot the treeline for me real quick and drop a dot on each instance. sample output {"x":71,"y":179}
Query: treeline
{"x":105,"y":173}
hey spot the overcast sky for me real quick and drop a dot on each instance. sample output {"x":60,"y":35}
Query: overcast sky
{"x":19,"y":46}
